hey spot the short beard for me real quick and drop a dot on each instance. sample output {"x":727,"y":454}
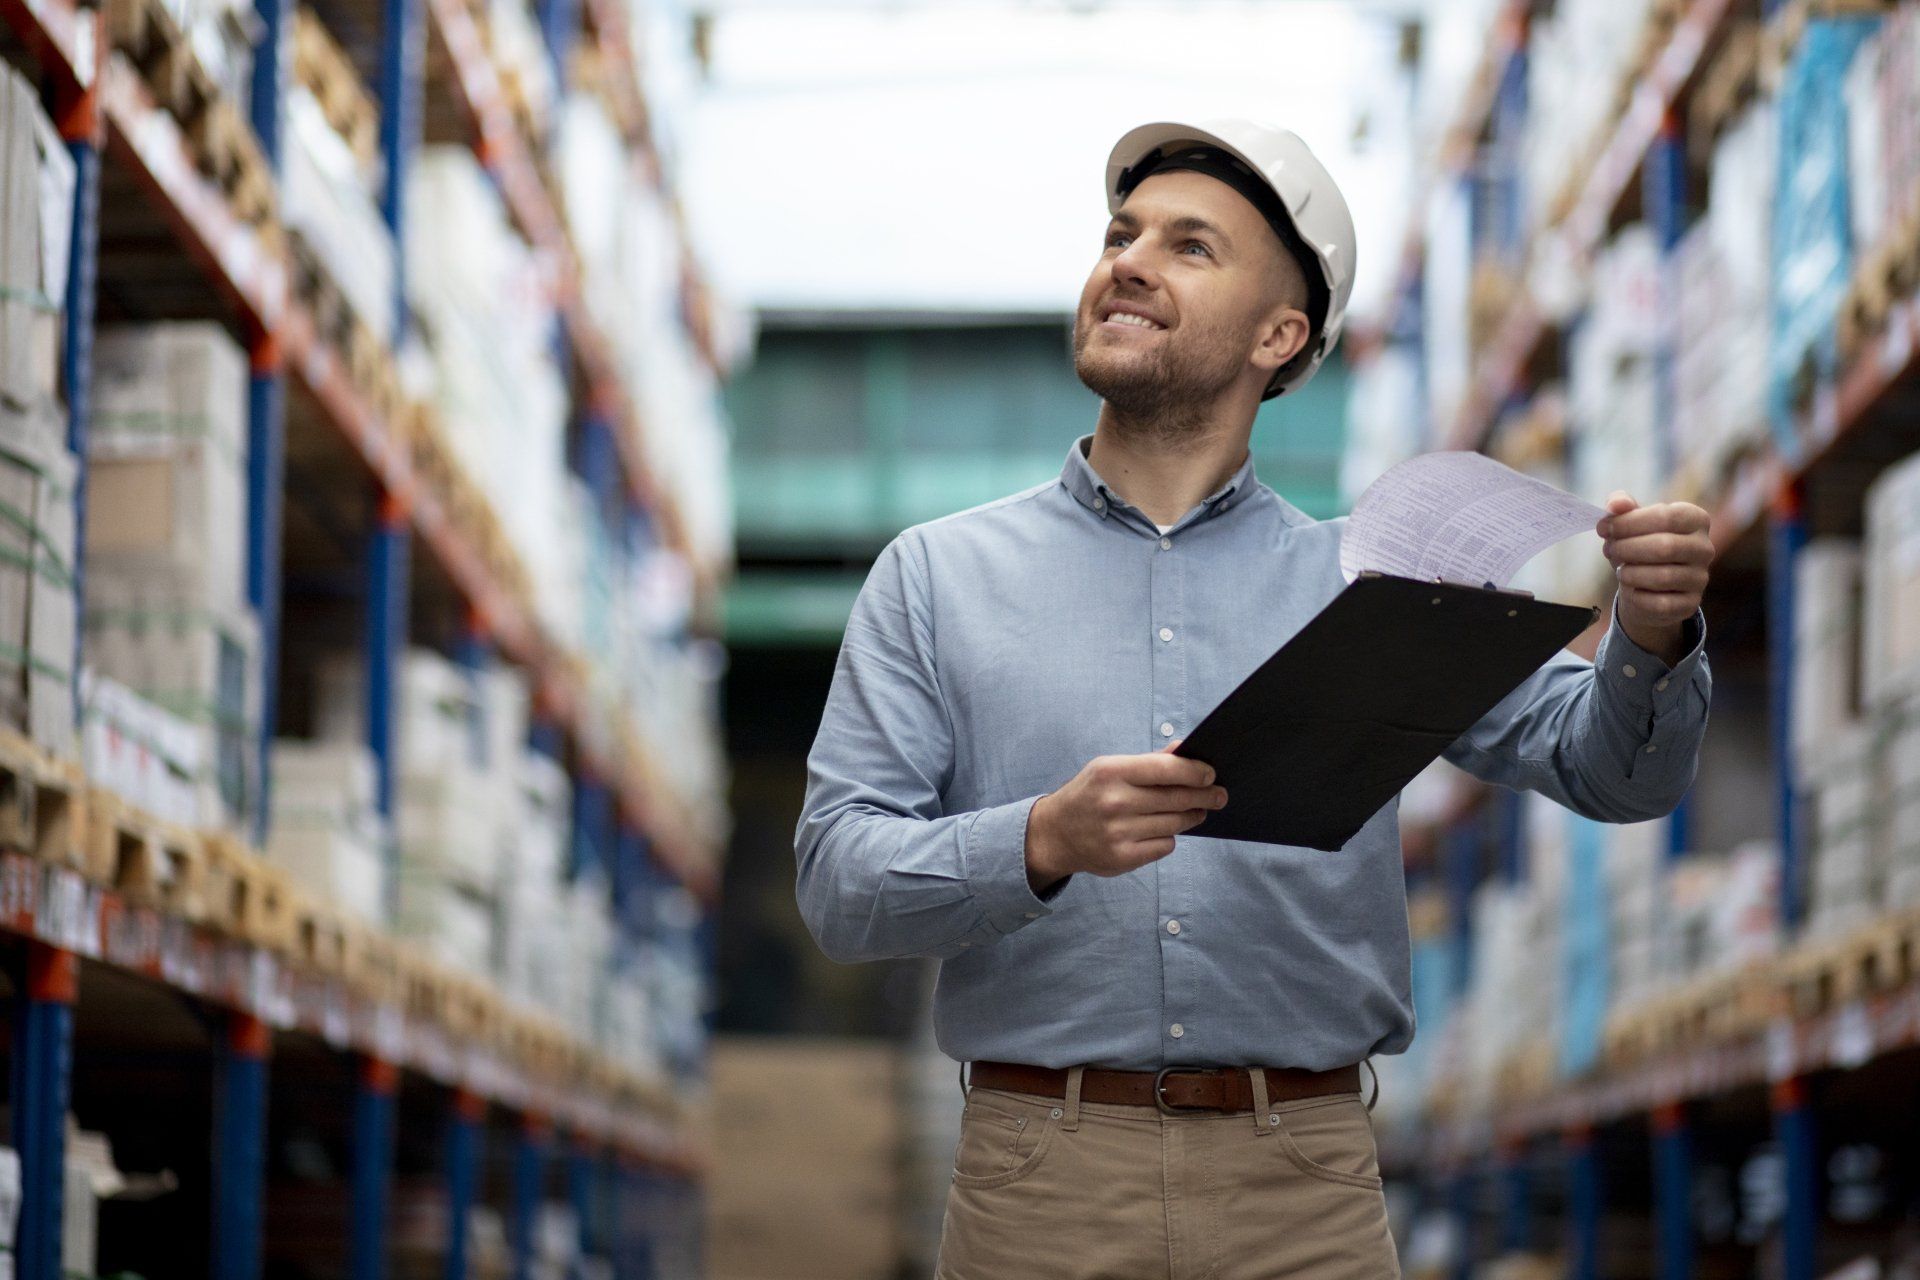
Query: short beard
{"x":1164,"y":401}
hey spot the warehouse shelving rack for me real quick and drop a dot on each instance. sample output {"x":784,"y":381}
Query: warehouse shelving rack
{"x":1766,"y":1046}
{"x":509,"y":1102}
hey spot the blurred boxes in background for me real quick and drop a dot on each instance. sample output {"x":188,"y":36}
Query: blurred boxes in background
{"x":143,"y":753}
{"x":166,"y":612}
{"x":326,"y":829}
{"x":807,"y":1160}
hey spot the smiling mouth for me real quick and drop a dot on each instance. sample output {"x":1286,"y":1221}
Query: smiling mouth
{"x":1126,"y":320}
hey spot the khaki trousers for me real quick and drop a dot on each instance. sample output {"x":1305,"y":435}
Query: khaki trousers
{"x":1054,"y":1189}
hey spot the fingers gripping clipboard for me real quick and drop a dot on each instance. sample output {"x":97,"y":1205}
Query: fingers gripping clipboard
{"x":1332,"y":726}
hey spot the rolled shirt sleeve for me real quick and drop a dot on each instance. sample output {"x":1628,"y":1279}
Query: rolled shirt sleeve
{"x":1616,"y":740}
{"x":883,"y":871}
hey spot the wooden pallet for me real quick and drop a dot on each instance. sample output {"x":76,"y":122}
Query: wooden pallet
{"x":248,"y":897}
{"x":320,"y":937}
{"x":371,"y":963}
{"x":150,"y":863}
{"x":1881,"y":956}
{"x":323,"y":68}
{"x":220,"y":140}
{"x":42,"y":809}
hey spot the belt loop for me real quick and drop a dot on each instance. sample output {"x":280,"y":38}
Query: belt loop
{"x":1072,"y":1120}
{"x":1258,"y":1075}
{"x":1368,"y":1064}
{"x":963,"y":1082}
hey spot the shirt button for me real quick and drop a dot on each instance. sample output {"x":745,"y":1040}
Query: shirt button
{"x":1173,"y":927}
{"x":1629,"y":671}
{"x":1033,"y":915}
{"x":1099,"y":504}
{"x":1166,"y":544}
{"x":1166,"y":728}
{"x":1651,"y":748}
{"x":1661,"y":685}
{"x":1166,"y":633}
{"x":1176,"y":1031}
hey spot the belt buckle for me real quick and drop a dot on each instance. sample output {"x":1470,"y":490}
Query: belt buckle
{"x":1159,"y":1094}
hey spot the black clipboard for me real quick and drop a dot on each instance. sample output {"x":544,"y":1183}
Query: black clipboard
{"x":1365,"y":696}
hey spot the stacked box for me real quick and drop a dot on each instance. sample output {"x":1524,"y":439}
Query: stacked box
{"x":1882,"y":93}
{"x":197,"y":664}
{"x":534,"y":943}
{"x":1813,"y":250}
{"x":328,"y":203}
{"x":1891,"y":586}
{"x":141,"y":752}
{"x":1636,"y":867}
{"x":1720,"y":314}
{"x":1898,"y":776}
{"x":327,"y":831}
{"x":1848,"y":874}
{"x":1826,"y":630}
{"x":1612,"y":396}
{"x":37,"y":602}
{"x":166,"y":609}
{"x":167,"y":459}
{"x":36,"y":218}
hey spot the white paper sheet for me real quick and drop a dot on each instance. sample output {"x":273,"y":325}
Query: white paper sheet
{"x":1459,"y":517}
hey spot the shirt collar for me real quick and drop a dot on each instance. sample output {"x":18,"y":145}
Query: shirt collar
{"x":1085,"y":484}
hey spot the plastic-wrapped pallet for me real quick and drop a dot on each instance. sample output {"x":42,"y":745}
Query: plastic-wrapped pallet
{"x":1612,"y":395}
{"x":327,"y":202}
{"x":485,"y":306}
{"x":166,"y":609}
{"x":327,"y":831}
{"x":1883,"y":126}
{"x":142,"y":753}
{"x":1636,"y":867}
{"x":1826,"y":629}
{"x":37,"y":603}
{"x":1898,"y":777}
{"x":166,"y":459}
{"x":1813,"y":248}
{"x":1848,"y":872}
{"x":36,"y":213}
{"x":1577,"y":54}
{"x":1891,"y":586}
{"x":1720,"y":360}
{"x":446,"y":919}
{"x":533,"y":919}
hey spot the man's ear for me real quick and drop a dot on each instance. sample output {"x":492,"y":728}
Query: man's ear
{"x":1283,"y":337}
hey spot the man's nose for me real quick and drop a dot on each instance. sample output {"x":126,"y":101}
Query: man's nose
{"x":1138,"y":263}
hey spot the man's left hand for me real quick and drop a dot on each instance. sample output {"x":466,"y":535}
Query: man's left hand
{"x":1660,"y":556}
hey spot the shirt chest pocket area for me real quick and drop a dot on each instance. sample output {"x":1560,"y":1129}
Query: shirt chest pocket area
{"x":1003,"y":1138}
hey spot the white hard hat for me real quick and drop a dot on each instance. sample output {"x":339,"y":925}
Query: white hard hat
{"x":1310,"y":205}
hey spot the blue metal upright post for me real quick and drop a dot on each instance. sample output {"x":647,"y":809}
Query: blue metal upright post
{"x":594,"y":815}
{"x":1516,"y":1199}
{"x":42,"y":1076}
{"x":1664,"y":195}
{"x":240,"y":1147}
{"x":375,"y":1101}
{"x":77,"y":115}
{"x":1787,"y":535}
{"x":1673,"y":1192}
{"x":266,"y":487}
{"x":580,"y":1180}
{"x":1513,"y":836}
{"x":403,"y":73}
{"x":474,"y":652}
{"x":529,"y":1188}
{"x":1583,"y":1205}
{"x":386,"y":637}
{"x":466,"y":1115}
{"x":560,"y":24}
{"x":1460,"y":1197}
{"x":632,"y":885}
{"x":546,"y":737}
{"x":1794,"y":1128}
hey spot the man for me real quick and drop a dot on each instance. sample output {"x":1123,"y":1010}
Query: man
{"x":1165,"y":1034}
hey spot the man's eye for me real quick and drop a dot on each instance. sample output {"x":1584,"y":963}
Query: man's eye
{"x":1195,"y":244}
{"x":1115,"y":240}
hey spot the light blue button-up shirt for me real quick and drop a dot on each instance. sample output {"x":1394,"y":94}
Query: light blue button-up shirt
{"x":993,"y":653}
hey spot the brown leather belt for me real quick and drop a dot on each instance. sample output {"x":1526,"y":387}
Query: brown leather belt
{"x":1173,"y":1089}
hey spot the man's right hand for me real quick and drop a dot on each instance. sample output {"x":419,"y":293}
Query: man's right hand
{"x":1117,"y":814}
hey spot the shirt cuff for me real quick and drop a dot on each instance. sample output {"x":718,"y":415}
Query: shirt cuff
{"x":1639,"y":680}
{"x":997,"y":867}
